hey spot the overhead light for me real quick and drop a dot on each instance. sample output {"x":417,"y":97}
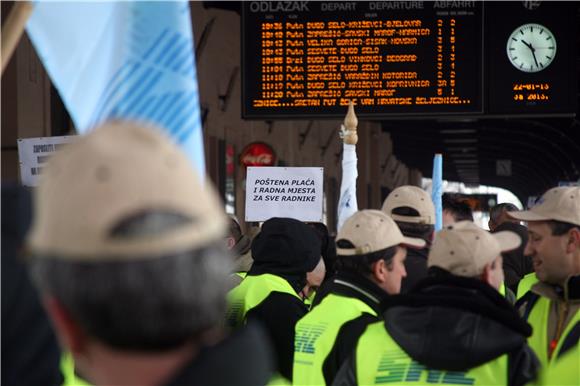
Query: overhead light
{"x":459,"y":131}
{"x":465,"y":161}
{"x":463,"y":155}
{"x":462,"y":149}
{"x":460,"y":140}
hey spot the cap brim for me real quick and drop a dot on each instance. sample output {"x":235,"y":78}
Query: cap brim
{"x":507,"y":240}
{"x":528,"y":215}
{"x":412,"y":242}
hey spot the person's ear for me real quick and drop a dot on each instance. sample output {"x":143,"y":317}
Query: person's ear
{"x":379,"y":269}
{"x":230,"y":242}
{"x":69,"y":333}
{"x":573,"y":242}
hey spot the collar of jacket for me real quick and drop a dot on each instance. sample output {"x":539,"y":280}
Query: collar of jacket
{"x":570,"y":292}
{"x":353,"y":285}
{"x":454,"y":323}
{"x":222,"y":364}
{"x":296,"y":281}
{"x":465,"y":294}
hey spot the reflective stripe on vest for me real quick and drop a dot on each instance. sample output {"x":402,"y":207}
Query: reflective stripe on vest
{"x":539,"y":340}
{"x":380,"y":360}
{"x":316,"y":333}
{"x":67,"y":367}
{"x":525,"y":284}
{"x":502,"y":289}
{"x":251,"y":292}
{"x":242,"y":275}
{"x":565,"y":371}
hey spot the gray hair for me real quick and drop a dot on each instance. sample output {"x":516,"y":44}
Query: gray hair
{"x":141,"y":304}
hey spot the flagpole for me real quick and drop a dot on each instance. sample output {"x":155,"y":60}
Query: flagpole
{"x":13,"y":29}
{"x":437,"y":190}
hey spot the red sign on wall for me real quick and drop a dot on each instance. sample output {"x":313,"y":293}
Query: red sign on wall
{"x":258,"y":154}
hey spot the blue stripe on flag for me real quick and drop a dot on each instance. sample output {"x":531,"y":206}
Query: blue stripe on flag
{"x":138,"y":97}
{"x":156,"y":44}
{"x":167,"y":47}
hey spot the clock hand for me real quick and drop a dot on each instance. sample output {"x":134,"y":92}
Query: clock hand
{"x":528,"y":45}
{"x":535,"y":60}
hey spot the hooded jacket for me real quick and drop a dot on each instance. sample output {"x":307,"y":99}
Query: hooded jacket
{"x":454,"y":324}
{"x":288,"y":249}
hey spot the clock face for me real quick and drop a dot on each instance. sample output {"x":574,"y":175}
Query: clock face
{"x":531,"y":47}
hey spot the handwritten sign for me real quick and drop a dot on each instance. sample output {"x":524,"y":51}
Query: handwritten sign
{"x":284,"y":192}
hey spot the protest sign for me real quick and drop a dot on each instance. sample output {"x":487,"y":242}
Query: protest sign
{"x":294,"y":192}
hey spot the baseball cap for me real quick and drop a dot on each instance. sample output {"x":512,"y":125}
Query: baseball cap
{"x":561,"y":204}
{"x":114,"y":173}
{"x":371,"y":231}
{"x":464,"y":249}
{"x":412,"y":197}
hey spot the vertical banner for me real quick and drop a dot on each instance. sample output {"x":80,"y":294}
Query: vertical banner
{"x":125,"y":60}
{"x":437,"y":190}
{"x":347,"y":204}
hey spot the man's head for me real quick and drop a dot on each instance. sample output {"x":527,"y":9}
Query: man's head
{"x":370,"y":243}
{"x":413,"y":211}
{"x":554,"y":229}
{"x":287,"y":246}
{"x":464,"y":249}
{"x":236,"y":241}
{"x":126,"y":245}
{"x":455,"y":210}
{"x":498,"y":215}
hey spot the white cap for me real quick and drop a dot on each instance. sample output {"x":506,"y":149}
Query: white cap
{"x":412,"y":197}
{"x":464,"y":249}
{"x":371,"y":231}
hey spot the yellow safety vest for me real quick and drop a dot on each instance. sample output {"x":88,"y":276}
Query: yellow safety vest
{"x":67,"y":367}
{"x":316,"y":333}
{"x":526,"y":283}
{"x":252,"y":291}
{"x":538,"y":318}
{"x":380,"y":360}
{"x":565,"y":372}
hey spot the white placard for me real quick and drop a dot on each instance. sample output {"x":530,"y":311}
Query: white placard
{"x":34,"y":152}
{"x":284,"y":192}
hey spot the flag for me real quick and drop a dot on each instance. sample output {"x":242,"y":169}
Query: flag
{"x":123,"y":60}
{"x":437,"y":190}
{"x":347,"y":204}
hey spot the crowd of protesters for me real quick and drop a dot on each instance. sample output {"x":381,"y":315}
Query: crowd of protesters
{"x":145,"y":281}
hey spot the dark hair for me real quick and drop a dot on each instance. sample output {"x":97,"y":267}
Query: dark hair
{"x":496,"y":211}
{"x":460,"y":210}
{"x":560,"y":228}
{"x":363,"y":264}
{"x":411,"y":229}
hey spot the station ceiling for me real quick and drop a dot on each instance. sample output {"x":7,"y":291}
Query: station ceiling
{"x":524,"y":155}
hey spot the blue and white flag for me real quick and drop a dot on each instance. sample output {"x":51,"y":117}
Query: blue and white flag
{"x":437,"y":190}
{"x":347,"y":204}
{"x":126,"y":60}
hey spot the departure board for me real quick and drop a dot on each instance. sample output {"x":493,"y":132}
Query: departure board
{"x":309,"y":59}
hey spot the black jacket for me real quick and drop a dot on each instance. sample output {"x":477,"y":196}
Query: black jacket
{"x":416,"y":267}
{"x":30,"y":351}
{"x":278,"y":314}
{"x":355,"y":286}
{"x":455,"y":324}
{"x":244,"y":358}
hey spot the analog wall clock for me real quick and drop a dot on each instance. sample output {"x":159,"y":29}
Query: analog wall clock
{"x":531,"y":47}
